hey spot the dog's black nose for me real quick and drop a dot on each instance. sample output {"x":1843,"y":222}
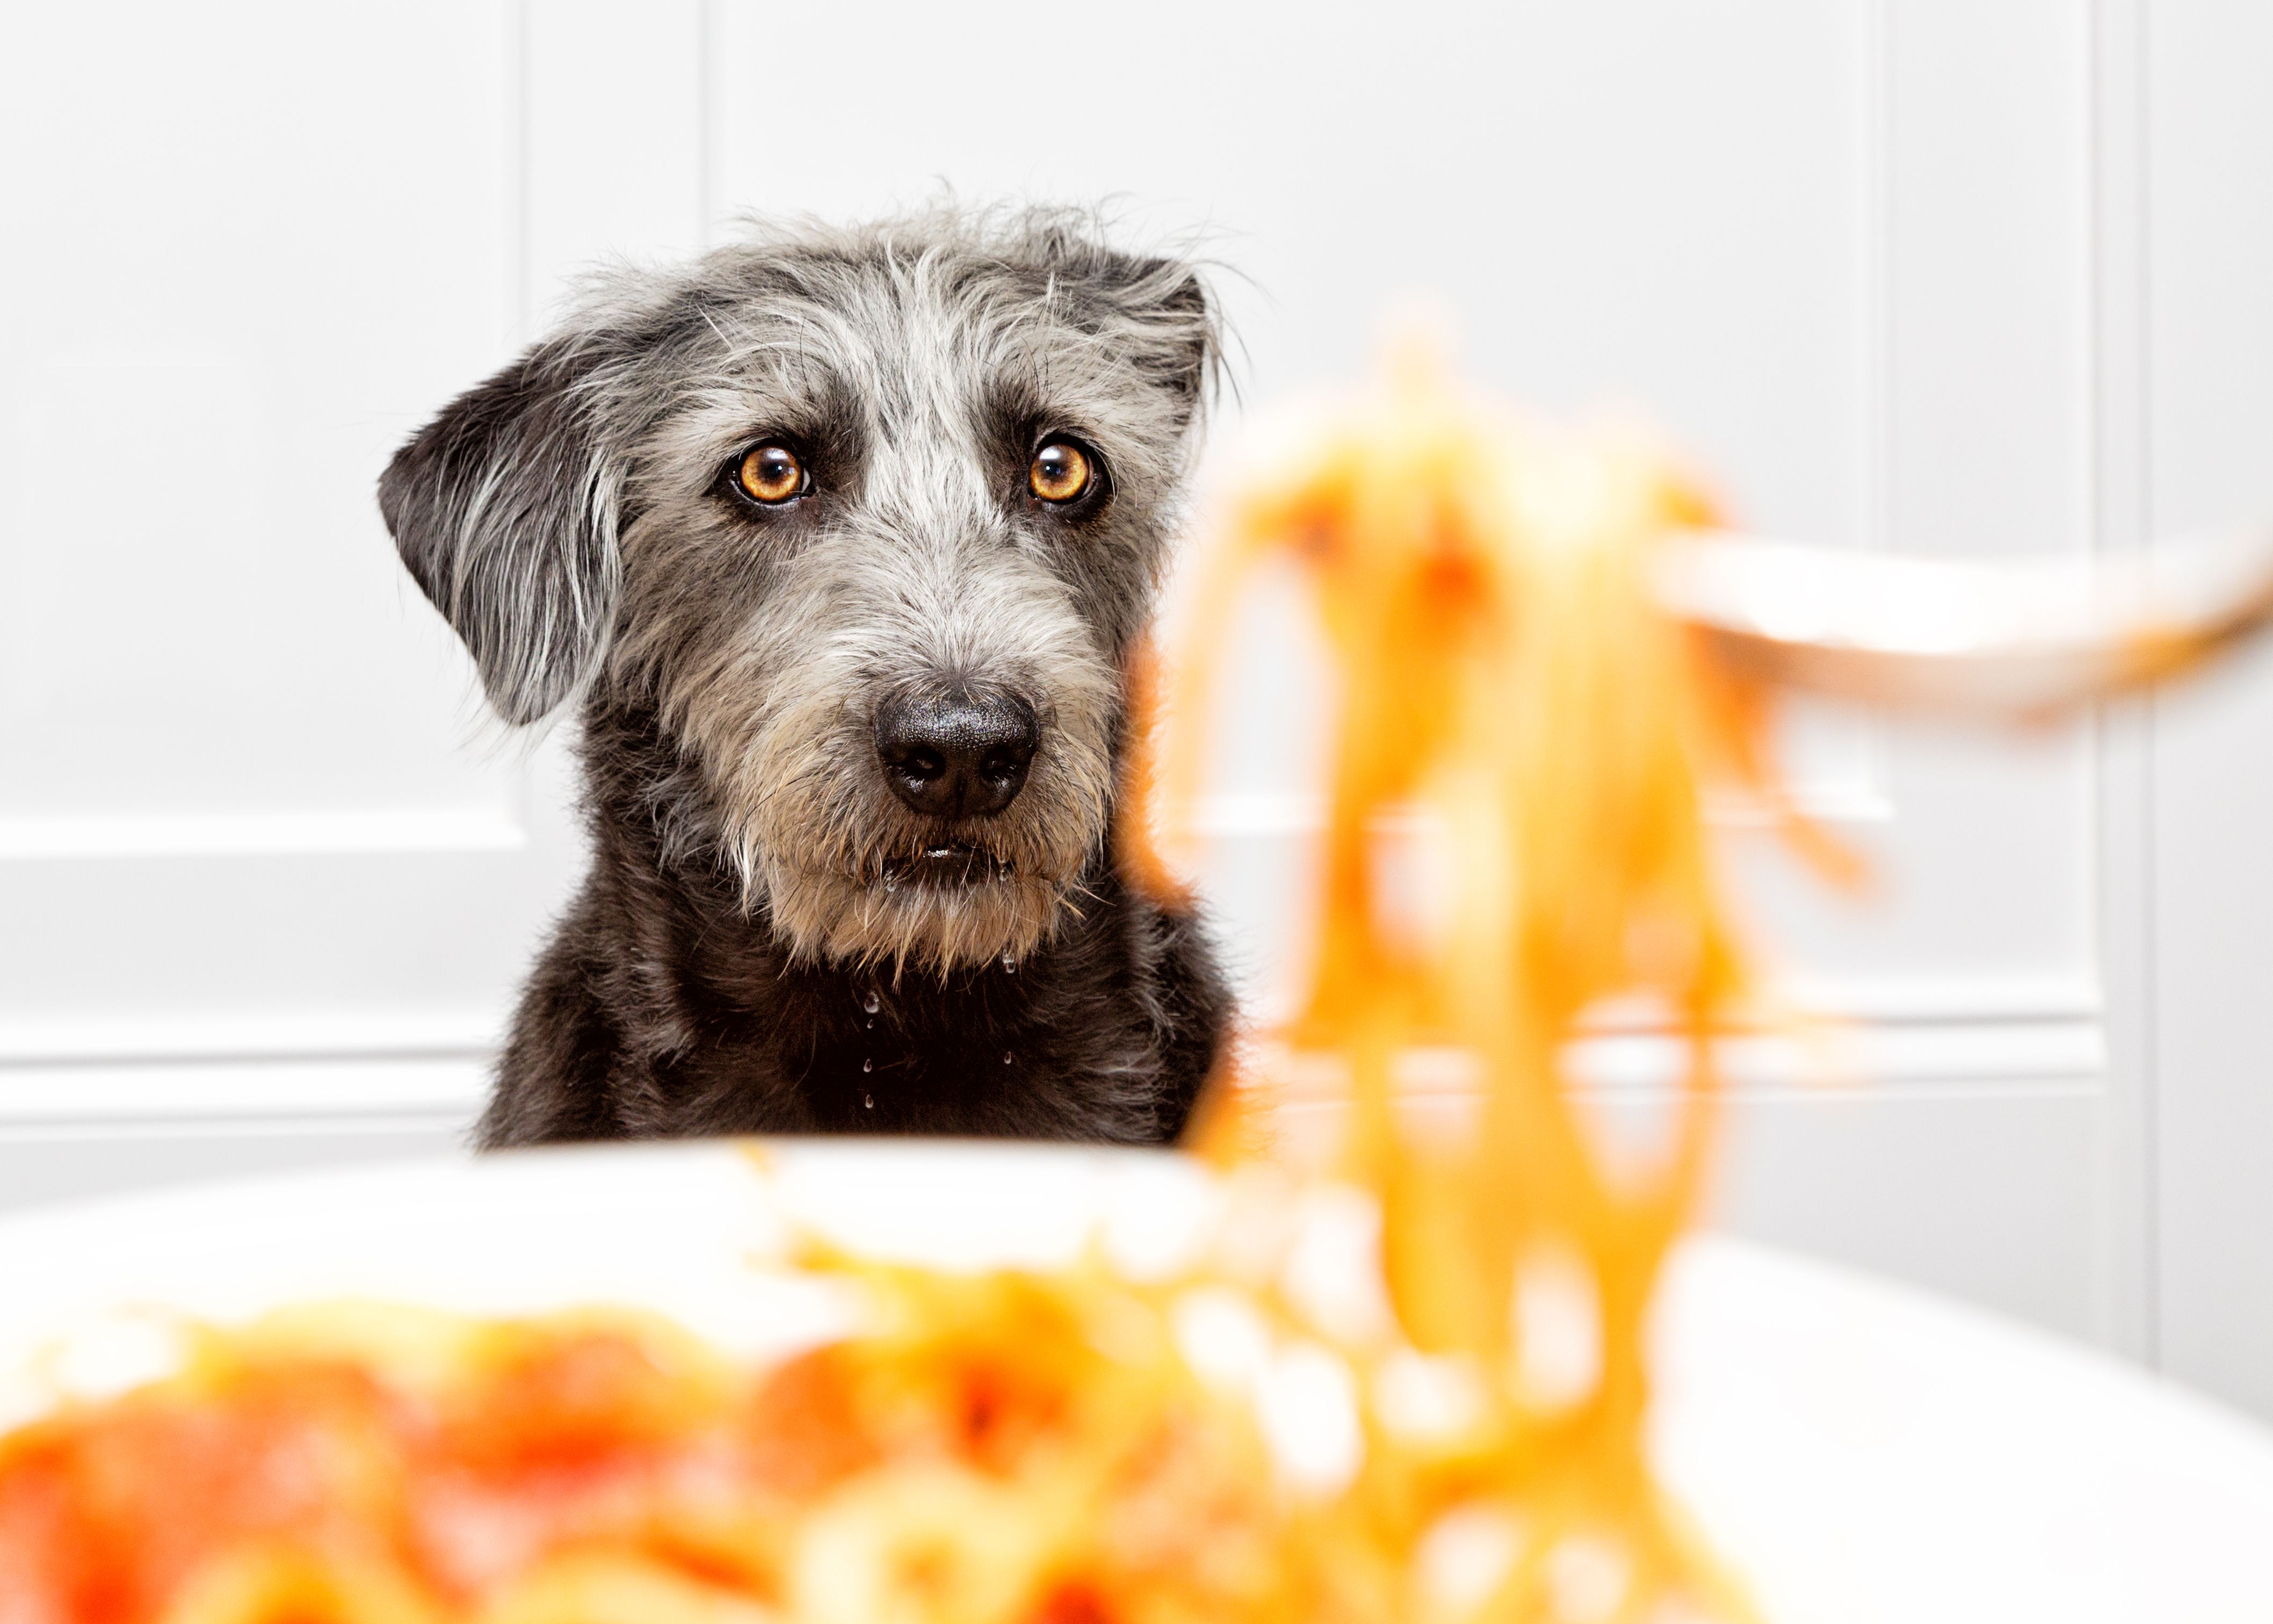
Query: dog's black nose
{"x":956,"y":757}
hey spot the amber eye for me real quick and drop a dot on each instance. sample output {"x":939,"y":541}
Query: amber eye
{"x":770,"y":473}
{"x":1061,"y":473}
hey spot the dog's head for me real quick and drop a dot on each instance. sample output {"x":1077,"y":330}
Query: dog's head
{"x":867,"y":521}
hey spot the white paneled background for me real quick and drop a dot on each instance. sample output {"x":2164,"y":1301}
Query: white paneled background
{"x":1977,"y":275}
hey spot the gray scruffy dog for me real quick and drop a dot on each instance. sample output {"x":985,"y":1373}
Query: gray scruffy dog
{"x":843,"y":537}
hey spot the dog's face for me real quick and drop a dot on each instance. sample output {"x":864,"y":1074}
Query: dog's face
{"x":867,"y":521}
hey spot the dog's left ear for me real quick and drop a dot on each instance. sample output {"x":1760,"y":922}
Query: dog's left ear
{"x":1197,"y":335}
{"x":504,"y":509}
{"x":1168,"y":320}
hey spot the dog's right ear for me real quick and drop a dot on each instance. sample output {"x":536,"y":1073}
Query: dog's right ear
{"x":505,"y":509}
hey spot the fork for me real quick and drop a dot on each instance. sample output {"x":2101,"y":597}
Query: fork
{"x":2025,"y":641}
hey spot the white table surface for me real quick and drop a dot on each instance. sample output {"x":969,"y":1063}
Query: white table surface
{"x":1862,"y":1451}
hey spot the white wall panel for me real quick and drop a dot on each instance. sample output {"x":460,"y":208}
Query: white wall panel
{"x":2211,"y":461}
{"x":248,"y":279}
{"x":254,"y":245}
{"x":1978,"y":445}
{"x":1638,"y":201}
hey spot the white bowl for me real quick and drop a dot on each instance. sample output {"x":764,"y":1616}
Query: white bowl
{"x":1863,"y":1452}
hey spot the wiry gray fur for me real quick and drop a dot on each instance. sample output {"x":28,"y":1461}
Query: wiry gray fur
{"x":568,"y":518}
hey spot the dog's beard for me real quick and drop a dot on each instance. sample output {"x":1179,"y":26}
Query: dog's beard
{"x":940,"y":908}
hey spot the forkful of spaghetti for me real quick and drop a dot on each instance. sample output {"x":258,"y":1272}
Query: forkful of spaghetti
{"x":1484,"y":582}
{"x":1545,"y":641}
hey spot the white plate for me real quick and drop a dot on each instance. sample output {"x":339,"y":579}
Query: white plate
{"x":1862,"y":1451}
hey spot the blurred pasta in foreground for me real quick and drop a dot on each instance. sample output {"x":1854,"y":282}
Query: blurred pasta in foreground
{"x":1443,"y":1419}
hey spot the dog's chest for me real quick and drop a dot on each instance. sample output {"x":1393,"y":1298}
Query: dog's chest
{"x":989,"y":1052}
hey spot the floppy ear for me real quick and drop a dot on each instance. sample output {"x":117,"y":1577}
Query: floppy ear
{"x":1155,"y":308}
{"x":1178,"y":334}
{"x":1194,"y":334}
{"x":504,"y":509}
